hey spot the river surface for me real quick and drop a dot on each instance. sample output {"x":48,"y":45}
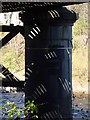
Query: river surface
{"x":80,"y":110}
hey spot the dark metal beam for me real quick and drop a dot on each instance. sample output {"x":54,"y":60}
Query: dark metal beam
{"x":5,"y":28}
{"x":8,"y":74}
{"x":13,"y":31}
{"x":10,"y":80}
{"x":5,"y":83}
{"x":23,"y":6}
{"x":8,"y":37}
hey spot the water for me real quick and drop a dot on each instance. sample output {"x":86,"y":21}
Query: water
{"x":79,"y":111}
{"x":16,"y":97}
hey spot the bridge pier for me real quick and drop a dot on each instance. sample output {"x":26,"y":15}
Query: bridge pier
{"x":48,"y":62}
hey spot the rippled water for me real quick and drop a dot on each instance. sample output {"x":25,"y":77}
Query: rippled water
{"x":18,"y":99}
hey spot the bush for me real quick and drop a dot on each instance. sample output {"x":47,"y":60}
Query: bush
{"x":11,"y":110}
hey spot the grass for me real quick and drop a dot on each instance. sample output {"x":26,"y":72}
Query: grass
{"x":10,"y":59}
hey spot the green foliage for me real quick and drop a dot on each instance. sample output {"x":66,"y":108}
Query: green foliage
{"x":80,"y":28}
{"x":18,"y":113}
{"x":30,"y":105}
{"x":7,"y":59}
{"x":10,"y":59}
{"x":30,"y":110}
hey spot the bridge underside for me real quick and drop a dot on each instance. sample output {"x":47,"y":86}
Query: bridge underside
{"x":23,"y":6}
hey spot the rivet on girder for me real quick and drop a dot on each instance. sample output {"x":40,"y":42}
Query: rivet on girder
{"x":32,"y":64}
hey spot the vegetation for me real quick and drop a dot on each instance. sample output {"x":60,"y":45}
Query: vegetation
{"x":80,"y":47}
{"x":10,"y":108}
{"x":13,"y":55}
{"x":80,"y":28}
